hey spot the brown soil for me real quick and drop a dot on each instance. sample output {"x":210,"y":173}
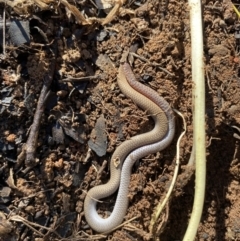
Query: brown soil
{"x":82,"y":112}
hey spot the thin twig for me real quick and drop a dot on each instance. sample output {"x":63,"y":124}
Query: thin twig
{"x":31,"y":143}
{"x":87,"y":156}
{"x":163,"y":203}
{"x":153,"y":64}
{"x":4,"y":29}
{"x":101,"y":169}
{"x":123,"y":224}
{"x":31,"y":225}
{"x":220,"y":9}
{"x":75,"y":79}
{"x":78,"y":15}
{"x":81,"y":235}
{"x":42,"y":34}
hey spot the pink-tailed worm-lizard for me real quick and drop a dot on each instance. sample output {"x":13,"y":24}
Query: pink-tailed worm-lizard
{"x":130,"y":150}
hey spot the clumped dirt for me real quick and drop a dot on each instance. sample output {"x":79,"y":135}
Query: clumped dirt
{"x":84,"y":117}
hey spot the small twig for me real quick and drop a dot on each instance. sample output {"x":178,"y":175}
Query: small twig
{"x":39,"y":19}
{"x":236,"y":135}
{"x":153,"y":64}
{"x":99,"y":174}
{"x":81,"y":235}
{"x":4,"y":29}
{"x":208,"y":81}
{"x":123,"y":224}
{"x":28,"y":224}
{"x":41,"y":45}
{"x":88,"y":155}
{"x":29,"y":168}
{"x":163,"y":223}
{"x":138,"y":231}
{"x":163,"y":203}
{"x":31,"y":143}
{"x":69,"y":96}
{"x":31,"y":225}
{"x":78,"y":15}
{"x":96,"y":200}
{"x":42,"y":34}
{"x":113,"y":13}
{"x":220,"y":9}
{"x":236,"y":10}
{"x":75,"y":79}
{"x":210,"y":141}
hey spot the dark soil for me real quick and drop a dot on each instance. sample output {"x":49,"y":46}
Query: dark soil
{"x":84,"y":117}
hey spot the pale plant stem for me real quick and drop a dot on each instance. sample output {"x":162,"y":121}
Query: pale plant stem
{"x":198,"y":117}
